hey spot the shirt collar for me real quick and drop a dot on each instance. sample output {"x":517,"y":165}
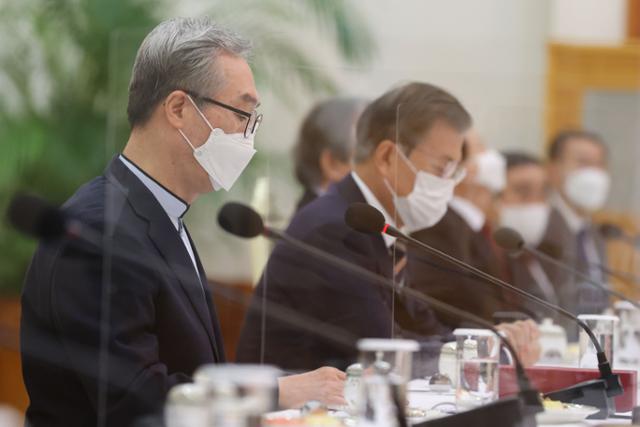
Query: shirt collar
{"x":573,"y":220}
{"x":173,"y":205}
{"x":371,"y":199}
{"x":473,"y":216}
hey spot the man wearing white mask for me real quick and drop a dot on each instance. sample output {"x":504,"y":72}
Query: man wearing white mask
{"x":580,"y":181}
{"x":466,"y":233}
{"x":407,"y":163}
{"x":524,"y":206}
{"x":92,"y":361}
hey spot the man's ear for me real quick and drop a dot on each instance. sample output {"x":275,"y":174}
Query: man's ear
{"x":175,"y":108}
{"x":330,"y":166}
{"x":385,"y":158}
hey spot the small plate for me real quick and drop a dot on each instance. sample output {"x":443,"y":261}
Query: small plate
{"x":570,"y":413}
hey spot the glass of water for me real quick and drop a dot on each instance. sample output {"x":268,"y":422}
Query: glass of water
{"x":477,"y":357}
{"x":604,"y":328}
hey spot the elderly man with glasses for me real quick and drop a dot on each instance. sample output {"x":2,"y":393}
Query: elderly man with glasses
{"x":106,"y":332}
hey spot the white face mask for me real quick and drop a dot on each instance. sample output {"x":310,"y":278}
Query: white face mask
{"x":528,"y":219}
{"x":492,"y":170}
{"x":427,"y":203}
{"x":223,"y":156}
{"x":587,"y":188}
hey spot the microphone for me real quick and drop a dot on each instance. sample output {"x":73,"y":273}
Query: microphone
{"x":35,"y":217}
{"x":234,"y":216}
{"x":367,"y":219}
{"x":511,"y":241}
{"x":240,"y":220}
{"x":613,"y":232}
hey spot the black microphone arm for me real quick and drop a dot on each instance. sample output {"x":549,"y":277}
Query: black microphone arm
{"x":551,"y":260}
{"x":231,"y":219}
{"x":375,"y":223}
{"x":620,"y":275}
{"x":62,"y":225}
{"x":613,"y":232}
{"x":39,"y":219}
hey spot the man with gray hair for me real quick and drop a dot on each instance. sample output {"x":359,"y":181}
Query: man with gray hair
{"x":324,"y":146}
{"x":106,"y":332}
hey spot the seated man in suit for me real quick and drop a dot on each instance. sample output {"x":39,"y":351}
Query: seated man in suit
{"x":107,"y":331}
{"x":580,"y":182}
{"x":465,"y":233}
{"x":405,"y":168}
{"x":326,"y":139}
{"x":524,"y":206}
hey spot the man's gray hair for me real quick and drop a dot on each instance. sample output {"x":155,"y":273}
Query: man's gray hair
{"x":179,"y":53}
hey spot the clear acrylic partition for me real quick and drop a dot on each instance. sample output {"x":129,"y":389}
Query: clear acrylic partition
{"x":56,"y":137}
{"x":298,"y":325}
{"x":235,"y":267}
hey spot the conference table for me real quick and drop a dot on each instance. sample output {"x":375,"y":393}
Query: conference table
{"x":426,"y":400}
{"x":436,"y":403}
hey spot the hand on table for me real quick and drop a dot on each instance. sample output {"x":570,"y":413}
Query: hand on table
{"x":524,"y":336}
{"x":325,"y":385}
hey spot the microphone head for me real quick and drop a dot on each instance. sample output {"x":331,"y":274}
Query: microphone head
{"x":364,"y":218}
{"x":34,"y":216}
{"x":611,"y":231}
{"x":240,"y":220}
{"x":508,"y":239}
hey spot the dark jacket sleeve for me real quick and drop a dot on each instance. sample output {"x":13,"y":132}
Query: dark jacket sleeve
{"x":137,"y":382}
{"x":448,"y":283}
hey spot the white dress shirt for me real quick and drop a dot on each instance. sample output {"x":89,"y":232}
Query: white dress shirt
{"x":174,"y":207}
{"x":575,"y":222}
{"x":371,"y":199}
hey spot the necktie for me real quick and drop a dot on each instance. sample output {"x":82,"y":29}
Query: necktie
{"x":398,"y":252}
{"x":590,"y":299}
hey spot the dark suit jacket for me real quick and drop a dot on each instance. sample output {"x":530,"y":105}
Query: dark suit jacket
{"x":574,"y":295}
{"x":324,"y":293}
{"x":159,"y":325}
{"x":439,"y":279}
{"x":307,"y":197}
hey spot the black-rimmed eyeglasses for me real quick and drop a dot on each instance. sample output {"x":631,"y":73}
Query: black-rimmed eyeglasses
{"x":253,"y":119}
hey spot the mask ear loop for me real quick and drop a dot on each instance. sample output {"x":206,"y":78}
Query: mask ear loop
{"x":406,"y":160}
{"x":200,"y":112}
{"x":203,"y":118}
{"x":187,"y":139}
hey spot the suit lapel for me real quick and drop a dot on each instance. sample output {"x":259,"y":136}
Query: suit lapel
{"x":349,"y":191}
{"x":166,"y":239}
{"x":213,"y":320}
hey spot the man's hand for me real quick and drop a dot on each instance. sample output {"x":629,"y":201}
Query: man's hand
{"x":524,"y":336}
{"x":325,"y":385}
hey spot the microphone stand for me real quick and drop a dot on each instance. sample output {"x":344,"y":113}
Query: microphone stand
{"x":598,"y":392}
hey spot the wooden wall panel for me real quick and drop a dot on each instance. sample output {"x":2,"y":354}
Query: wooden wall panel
{"x":633,"y":19}
{"x":231,"y":301}
{"x":572,"y":71}
{"x":12,"y":391}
